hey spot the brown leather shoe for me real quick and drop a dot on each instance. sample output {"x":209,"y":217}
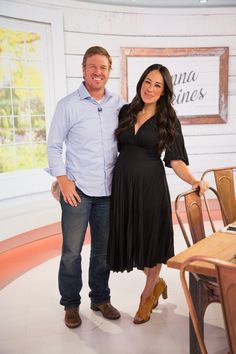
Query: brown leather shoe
{"x":107,"y":310}
{"x":72,"y":318}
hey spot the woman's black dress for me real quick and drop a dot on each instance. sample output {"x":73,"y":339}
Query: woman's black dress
{"x":141,"y":231}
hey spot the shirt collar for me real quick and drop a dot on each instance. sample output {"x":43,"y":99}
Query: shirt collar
{"x":83,"y":93}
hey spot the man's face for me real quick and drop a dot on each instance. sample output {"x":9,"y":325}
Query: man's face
{"x":96,"y":72}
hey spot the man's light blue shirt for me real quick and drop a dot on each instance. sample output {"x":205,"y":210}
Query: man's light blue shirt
{"x":87,"y":129}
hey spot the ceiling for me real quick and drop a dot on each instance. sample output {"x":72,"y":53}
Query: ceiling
{"x":167,"y":3}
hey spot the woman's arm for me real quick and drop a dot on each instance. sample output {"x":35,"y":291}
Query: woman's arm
{"x":182,"y":171}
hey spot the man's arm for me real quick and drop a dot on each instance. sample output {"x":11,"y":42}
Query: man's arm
{"x":57,"y":135}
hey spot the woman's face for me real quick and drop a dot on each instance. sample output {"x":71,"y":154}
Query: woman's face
{"x":152,"y":87}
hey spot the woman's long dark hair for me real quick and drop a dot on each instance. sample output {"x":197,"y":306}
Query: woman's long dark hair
{"x":166,"y":114}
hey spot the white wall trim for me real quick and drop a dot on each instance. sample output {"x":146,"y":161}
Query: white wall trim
{"x":131,"y":9}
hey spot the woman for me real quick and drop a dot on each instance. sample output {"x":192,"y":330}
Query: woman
{"x":141,"y":231}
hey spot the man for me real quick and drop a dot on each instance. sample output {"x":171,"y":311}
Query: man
{"x":85,"y":121}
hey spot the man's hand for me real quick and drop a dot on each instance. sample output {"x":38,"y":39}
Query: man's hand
{"x":68,"y":190}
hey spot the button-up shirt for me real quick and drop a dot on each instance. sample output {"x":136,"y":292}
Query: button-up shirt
{"x":87,"y":129}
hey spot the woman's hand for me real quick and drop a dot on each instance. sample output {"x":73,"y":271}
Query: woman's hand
{"x":202,"y":185}
{"x":184,"y":173}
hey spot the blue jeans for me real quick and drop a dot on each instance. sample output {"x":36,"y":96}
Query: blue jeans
{"x":95,"y":212}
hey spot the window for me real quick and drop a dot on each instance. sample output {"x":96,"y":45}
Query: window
{"x":32,"y":80}
{"x":22,"y":98}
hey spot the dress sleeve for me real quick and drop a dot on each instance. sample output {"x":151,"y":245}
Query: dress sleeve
{"x":177,"y":150}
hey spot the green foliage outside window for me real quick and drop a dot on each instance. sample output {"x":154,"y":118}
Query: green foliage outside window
{"x":22,"y":108}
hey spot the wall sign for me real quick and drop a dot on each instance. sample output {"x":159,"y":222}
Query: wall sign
{"x":200,"y":79}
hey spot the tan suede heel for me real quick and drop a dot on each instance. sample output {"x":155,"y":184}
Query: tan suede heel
{"x":144,"y":310}
{"x":159,"y":289}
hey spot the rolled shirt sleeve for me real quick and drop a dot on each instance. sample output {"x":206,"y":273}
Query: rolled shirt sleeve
{"x":57,"y":135}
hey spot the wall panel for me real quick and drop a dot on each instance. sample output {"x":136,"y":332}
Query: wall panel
{"x":180,"y":24}
{"x":77,"y":43}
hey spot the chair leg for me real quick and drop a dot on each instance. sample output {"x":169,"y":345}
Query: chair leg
{"x":199,"y":299}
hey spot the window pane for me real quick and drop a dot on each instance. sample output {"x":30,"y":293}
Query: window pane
{"x":4,"y":72}
{"x":6,"y":136}
{"x":39,"y":135}
{"x":19,"y":73}
{"x":40,"y":159}
{"x":16,"y":43}
{"x":6,"y":130}
{"x":24,"y":156}
{"x":20,"y":101}
{"x":35,"y":74}
{"x":5,"y":102}
{"x":6,"y":122}
{"x":22,"y":122}
{"x":22,"y":135}
{"x":22,"y":129}
{"x":7,"y":159}
{"x":33,"y":46}
{"x":37,"y":102}
{"x":3,"y":42}
{"x":38,"y":122}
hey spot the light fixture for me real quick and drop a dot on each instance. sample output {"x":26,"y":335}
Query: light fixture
{"x":203,"y":1}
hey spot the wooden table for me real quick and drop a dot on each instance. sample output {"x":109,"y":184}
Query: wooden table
{"x":220,"y":245}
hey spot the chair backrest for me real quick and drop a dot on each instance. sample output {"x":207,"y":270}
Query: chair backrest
{"x":226,"y":278}
{"x":225,"y":180}
{"x":196,"y":214}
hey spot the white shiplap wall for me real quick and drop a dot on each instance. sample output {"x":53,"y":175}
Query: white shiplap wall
{"x":114,"y":27}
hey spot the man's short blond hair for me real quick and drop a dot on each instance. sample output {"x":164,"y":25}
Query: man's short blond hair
{"x":96,"y":50}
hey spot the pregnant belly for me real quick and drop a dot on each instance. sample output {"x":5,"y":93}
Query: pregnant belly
{"x":134,"y":159}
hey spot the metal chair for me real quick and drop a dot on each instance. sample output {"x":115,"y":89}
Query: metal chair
{"x":226,"y":280}
{"x":205,"y":289}
{"x":196,"y":214}
{"x":225,"y":179}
